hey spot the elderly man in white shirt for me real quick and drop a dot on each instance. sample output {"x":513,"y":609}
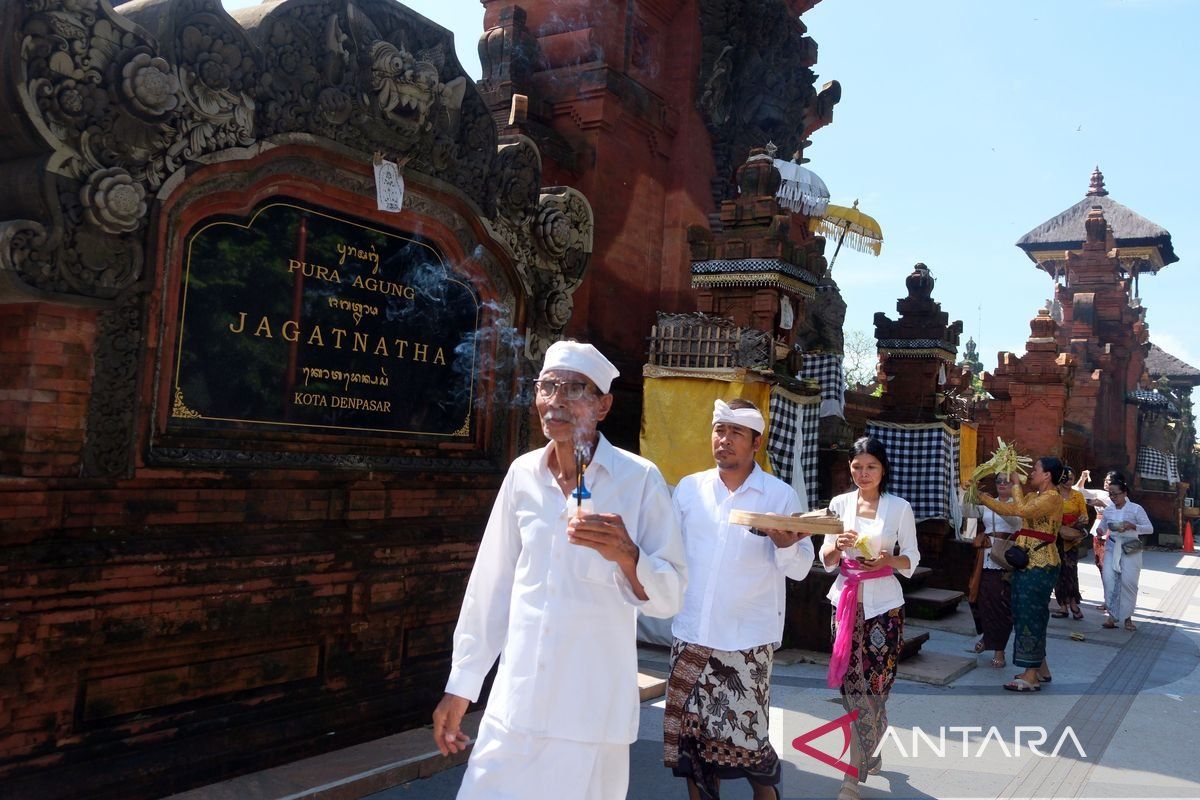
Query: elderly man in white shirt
{"x":555,"y":594}
{"x":718,"y":695}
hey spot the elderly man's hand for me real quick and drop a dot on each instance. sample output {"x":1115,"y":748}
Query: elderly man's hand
{"x":606,"y":534}
{"x":447,"y":724}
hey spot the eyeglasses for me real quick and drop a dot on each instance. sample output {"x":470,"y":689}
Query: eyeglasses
{"x":572,"y":390}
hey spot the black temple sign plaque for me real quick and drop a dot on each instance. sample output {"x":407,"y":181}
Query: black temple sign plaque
{"x":305,"y":319}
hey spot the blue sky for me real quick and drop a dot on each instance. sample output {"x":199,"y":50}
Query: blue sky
{"x":964,"y":124}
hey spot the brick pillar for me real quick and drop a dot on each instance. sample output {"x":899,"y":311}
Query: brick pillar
{"x":1031,"y":393}
{"x":45,"y":381}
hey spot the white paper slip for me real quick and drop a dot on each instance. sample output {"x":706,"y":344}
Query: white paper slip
{"x":389,"y":186}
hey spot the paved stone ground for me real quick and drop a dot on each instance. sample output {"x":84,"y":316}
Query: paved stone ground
{"x":1131,"y":700}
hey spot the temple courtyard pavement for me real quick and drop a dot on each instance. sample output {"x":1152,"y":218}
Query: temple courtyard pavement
{"x":1122,"y":713}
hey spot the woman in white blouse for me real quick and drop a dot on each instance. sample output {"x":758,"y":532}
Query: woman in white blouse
{"x":868,"y":621}
{"x":992,"y":608}
{"x":1126,"y":522}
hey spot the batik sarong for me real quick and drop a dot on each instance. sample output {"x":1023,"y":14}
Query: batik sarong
{"x":1031,"y":590}
{"x":995,"y":609}
{"x":715,"y":726}
{"x":874,"y":656}
{"x":1066,"y":591}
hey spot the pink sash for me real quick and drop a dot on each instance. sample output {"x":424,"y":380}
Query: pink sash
{"x":847,"y":609}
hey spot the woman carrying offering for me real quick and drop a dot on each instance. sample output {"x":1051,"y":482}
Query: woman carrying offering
{"x":1070,"y":535}
{"x":1032,"y":585}
{"x":868,"y":620}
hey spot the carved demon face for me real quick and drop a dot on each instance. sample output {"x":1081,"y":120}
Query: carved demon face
{"x":406,"y":86}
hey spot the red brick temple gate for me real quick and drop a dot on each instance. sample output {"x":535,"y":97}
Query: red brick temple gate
{"x":1083,"y":390}
{"x":250,"y":424}
{"x":651,"y":105}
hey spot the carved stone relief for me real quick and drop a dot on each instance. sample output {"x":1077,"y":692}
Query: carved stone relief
{"x":105,"y":108}
{"x":107,"y":449}
{"x":556,"y":255}
{"x":756,"y":83}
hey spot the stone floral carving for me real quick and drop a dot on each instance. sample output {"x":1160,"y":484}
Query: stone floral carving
{"x":519,"y":173}
{"x":556,"y":308}
{"x":113,"y":201}
{"x":563,"y":228}
{"x":148,"y":84}
{"x":553,"y":230}
{"x":122,"y":101}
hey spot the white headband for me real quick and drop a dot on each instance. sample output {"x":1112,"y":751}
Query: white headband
{"x":750,"y":418}
{"x":582,"y":358}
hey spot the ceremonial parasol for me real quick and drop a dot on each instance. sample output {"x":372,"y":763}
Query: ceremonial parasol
{"x":801,"y":190}
{"x":849,"y":225}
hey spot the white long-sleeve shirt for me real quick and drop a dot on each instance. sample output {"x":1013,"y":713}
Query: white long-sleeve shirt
{"x":736,"y":593}
{"x":894,"y":522}
{"x":1132,"y":513}
{"x":996,"y":523}
{"x":562,"y":618}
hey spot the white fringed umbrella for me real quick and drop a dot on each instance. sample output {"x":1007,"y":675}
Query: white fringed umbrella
{"x":801,"y":190}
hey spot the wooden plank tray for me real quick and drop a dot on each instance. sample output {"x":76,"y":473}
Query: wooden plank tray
{"x":812,"y":522}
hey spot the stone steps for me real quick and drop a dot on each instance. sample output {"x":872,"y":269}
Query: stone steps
{"x":931,"y":603}
{"x":917,"y":581}
{"x":911,"y":646}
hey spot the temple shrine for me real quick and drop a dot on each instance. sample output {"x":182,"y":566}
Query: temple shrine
{"x":1091,"y":387}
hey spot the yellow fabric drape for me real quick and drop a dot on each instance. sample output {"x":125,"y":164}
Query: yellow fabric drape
{"x":677,"y":421}
{"x":968,"y":444}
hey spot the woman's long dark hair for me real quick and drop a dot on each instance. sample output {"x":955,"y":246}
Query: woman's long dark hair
{"x":1068,"y":476}
{"x":1054,"y":466}
{"x":873,"y":447}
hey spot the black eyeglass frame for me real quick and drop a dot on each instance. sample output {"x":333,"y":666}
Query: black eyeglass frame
{"x":573,"y":390}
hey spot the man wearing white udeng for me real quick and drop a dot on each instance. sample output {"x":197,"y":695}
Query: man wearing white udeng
{"x":556,"y":597}
{"x":719,"y":692}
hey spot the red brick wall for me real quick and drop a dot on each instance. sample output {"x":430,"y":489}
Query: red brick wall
{"x":216,"y":623}
{"x":647,"y":163}
{"x":45,"y":378}
{"x":177,"y":625}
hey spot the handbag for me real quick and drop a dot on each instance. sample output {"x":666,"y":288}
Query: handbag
{"x":1007,"y":554}
{"x":1129,"y":548}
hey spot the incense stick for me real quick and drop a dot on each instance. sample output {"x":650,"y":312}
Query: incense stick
{"x":578,"y":479}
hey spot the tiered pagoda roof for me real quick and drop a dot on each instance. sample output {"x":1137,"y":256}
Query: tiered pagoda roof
{"x":1161,"y":364}
{"x":1138,"y":239}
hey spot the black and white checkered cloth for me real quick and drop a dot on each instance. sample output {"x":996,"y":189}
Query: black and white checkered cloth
{"x":924,"y":466}
{"x":828,"y":371}
{"x":810,"y":419}
{"x":1157,"y":465}
{"x":781,"y":438}
{"x":792,"y":437}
